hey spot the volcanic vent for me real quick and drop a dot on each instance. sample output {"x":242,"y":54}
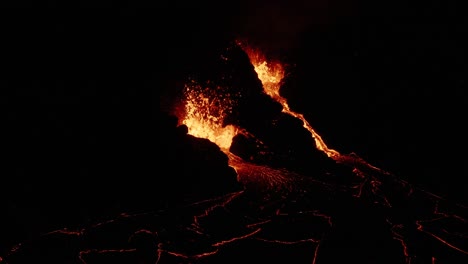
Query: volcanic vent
{"x":298,"y":201}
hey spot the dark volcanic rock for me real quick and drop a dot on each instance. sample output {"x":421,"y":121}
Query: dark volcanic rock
{"x":191,"y":166}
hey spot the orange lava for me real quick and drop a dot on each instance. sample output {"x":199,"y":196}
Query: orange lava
{"x":271,"y":74}
{"x":205,"y":111}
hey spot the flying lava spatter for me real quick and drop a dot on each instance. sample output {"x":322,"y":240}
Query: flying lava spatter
{"x":204,"y":114}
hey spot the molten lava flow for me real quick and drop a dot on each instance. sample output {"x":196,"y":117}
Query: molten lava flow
{"x":271,"y":75}
{"x":206,"y":108}
{"x":205,"y":111}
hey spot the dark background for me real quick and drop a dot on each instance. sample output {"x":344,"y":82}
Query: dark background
{"x":79,"y":88}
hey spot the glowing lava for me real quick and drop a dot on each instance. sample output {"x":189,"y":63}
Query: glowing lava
{"x":271,"y":74}
{"x":205,"y":110}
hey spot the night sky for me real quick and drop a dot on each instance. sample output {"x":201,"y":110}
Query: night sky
{"x":385,"y":80}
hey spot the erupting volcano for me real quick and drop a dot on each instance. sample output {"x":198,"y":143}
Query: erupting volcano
{"x":205,"y":111}
{"x":318,"y":206}
{"x":206,"y":108}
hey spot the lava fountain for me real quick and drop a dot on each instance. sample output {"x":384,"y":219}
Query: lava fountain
{"x":205,"y":110}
